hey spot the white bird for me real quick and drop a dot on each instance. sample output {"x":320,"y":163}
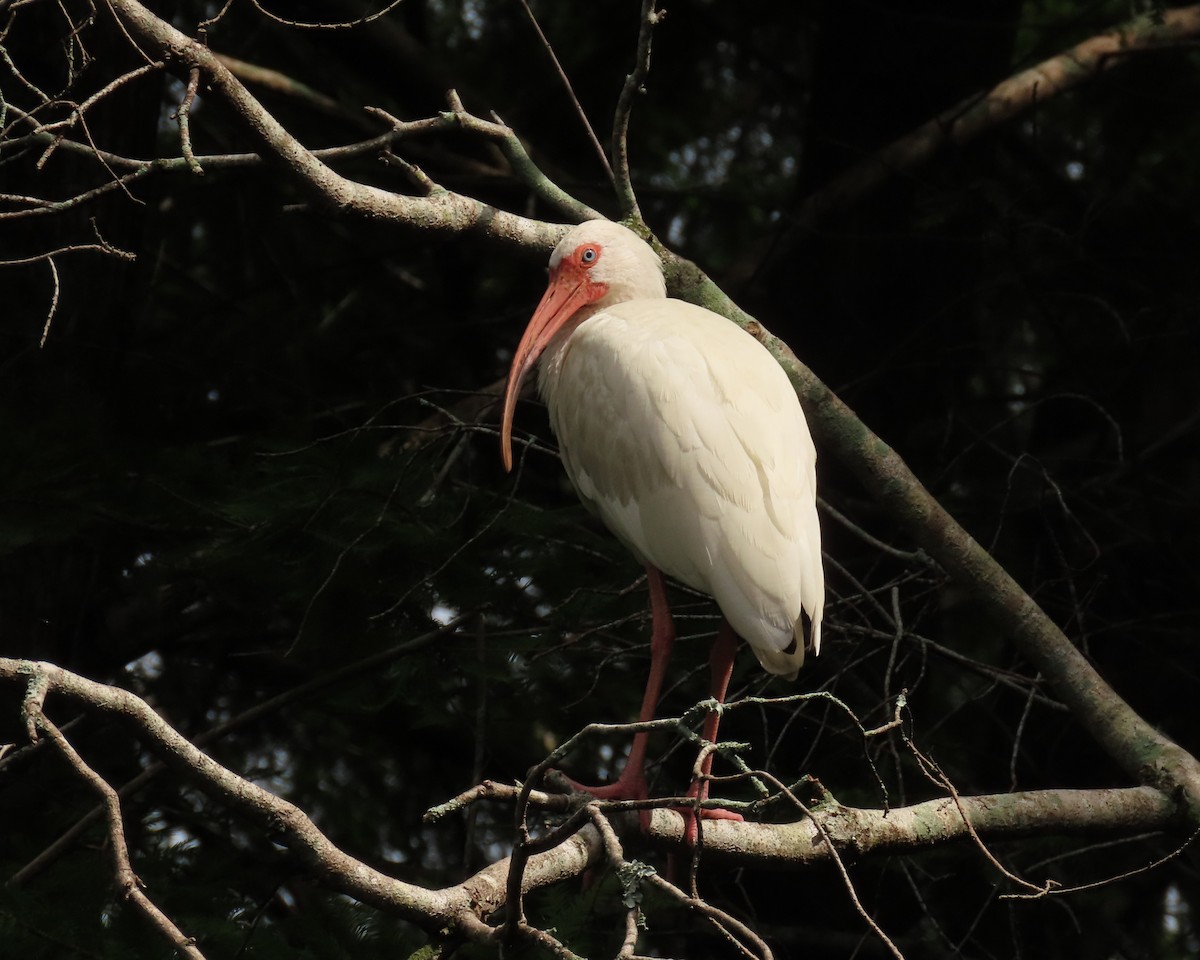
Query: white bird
{"x":682,"y":433}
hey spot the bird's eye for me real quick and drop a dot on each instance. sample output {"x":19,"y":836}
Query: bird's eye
{"x":588,"y":255}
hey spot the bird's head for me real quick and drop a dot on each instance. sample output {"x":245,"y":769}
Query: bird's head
{"x":595,"y":265}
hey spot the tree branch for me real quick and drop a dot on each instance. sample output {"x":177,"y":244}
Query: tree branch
{"x":127,"y":881}
{"x":443,"y":212}
{"x":264,"y":708}
{"x":860,"y":832}
{"x":566,"y":81}
{"x":1133,"y":743}
{"x":1157,"y":30}
{"x":626,"y":199}
{"x":854,"y":831}
{"x":1140,"y":749}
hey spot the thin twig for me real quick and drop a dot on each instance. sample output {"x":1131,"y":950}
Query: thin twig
{"x":837,"y":861}
{"x":491,"y":790}
{"x":183,"y":117}
{"x":718,"y":917}
{"x":58,"y":206}
{"x":935,"y":773}
{"x":203,"y":26}
{"x":53,"y":302}
{"x":908,"y":556}
{"x":562,"y":75}
{"x":1059,"y":891}
{"x":101,"y":247}
{"x":318,"y":25}
{"x":419,"y":178}
{"x":1018,"y":736}
{"x":634,"y":874}
{"x":622,"y":182}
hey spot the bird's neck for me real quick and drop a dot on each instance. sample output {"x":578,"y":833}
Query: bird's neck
{"x":550,"y":363}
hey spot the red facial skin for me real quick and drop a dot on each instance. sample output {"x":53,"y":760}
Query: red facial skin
{"x":570,"y":288}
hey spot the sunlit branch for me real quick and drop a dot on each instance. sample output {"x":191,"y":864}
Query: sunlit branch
{"x":860,"y":831}
{"x":441,"y":212}
{"x":127,"y":881}
{"x":272,"y":705}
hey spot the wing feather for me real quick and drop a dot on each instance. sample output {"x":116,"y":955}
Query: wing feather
{"x":684,"y":435}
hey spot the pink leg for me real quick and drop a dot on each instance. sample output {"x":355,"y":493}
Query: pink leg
{"x":631,"y":785}
{"x":720,"y":663}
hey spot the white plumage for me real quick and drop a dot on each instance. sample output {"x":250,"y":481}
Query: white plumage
{"x":684,"y":435}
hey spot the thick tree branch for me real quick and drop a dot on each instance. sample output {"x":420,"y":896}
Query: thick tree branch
{"x":1160,"y":29}
{"x":127,"y":881}
{"x":442,"y":212}
{"x":859,"y":832}
{"x":453,"y":907}
{"x":68,"y":838}
{"x":1134,"y":744}
{"x":456,"y":118}
{"x":855,"y":832}
{"x":1141,"y":750}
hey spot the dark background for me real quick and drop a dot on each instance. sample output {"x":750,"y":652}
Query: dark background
{"x":211,"y":491}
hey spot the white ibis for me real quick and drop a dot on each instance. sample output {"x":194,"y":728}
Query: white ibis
{"x":684,"y":435}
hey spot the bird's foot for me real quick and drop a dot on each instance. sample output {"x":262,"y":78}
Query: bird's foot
{"x":692,"y":815}
{"x":629,"y":786}
{"x":633,"y":787}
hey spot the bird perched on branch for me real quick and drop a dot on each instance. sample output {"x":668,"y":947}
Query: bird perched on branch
{"x":683,"y":434}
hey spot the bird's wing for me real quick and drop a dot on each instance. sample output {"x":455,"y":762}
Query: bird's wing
{"x":685,"y":436}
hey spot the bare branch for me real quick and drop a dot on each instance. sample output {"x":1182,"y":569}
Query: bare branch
{"x":566,"y":81}
{"x":419,"y":178}
{"x":318,"y":25}
{"x":53,"y":301}
{"x":935,"y":773}
{"x":458,"y":907}
{"x":46,"y":207}
{"x":281,"y":83}
{"x":866,"y":832}
{"x":79,"y":111}
{"x":101,"y":247}
{"x":127,"y":881}
{"x":510,"y":146}
{"x":1059,"y":891}
{"x":265,"y":708}
{"x":443,"y":212}
{"x":841,"y":867}
{"x":908,"y":556}
{"x":626,"y":199}
{"x":1136,"y":745}
{"x":463,"y":906}
{"x":1158,"y":30}
{"x":183,"y":116}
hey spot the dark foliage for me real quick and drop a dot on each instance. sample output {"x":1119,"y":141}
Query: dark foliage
{"x":215,"y":484}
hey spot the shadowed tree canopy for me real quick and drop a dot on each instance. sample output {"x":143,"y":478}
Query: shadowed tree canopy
{"x":250,"y":474}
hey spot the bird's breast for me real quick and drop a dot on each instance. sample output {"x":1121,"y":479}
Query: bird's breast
{"x":684,"y":435}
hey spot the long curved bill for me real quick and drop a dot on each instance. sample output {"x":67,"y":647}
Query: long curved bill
{"x":566,"y":293}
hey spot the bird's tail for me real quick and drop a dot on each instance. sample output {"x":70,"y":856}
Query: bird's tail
{"x":786,"y":663}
